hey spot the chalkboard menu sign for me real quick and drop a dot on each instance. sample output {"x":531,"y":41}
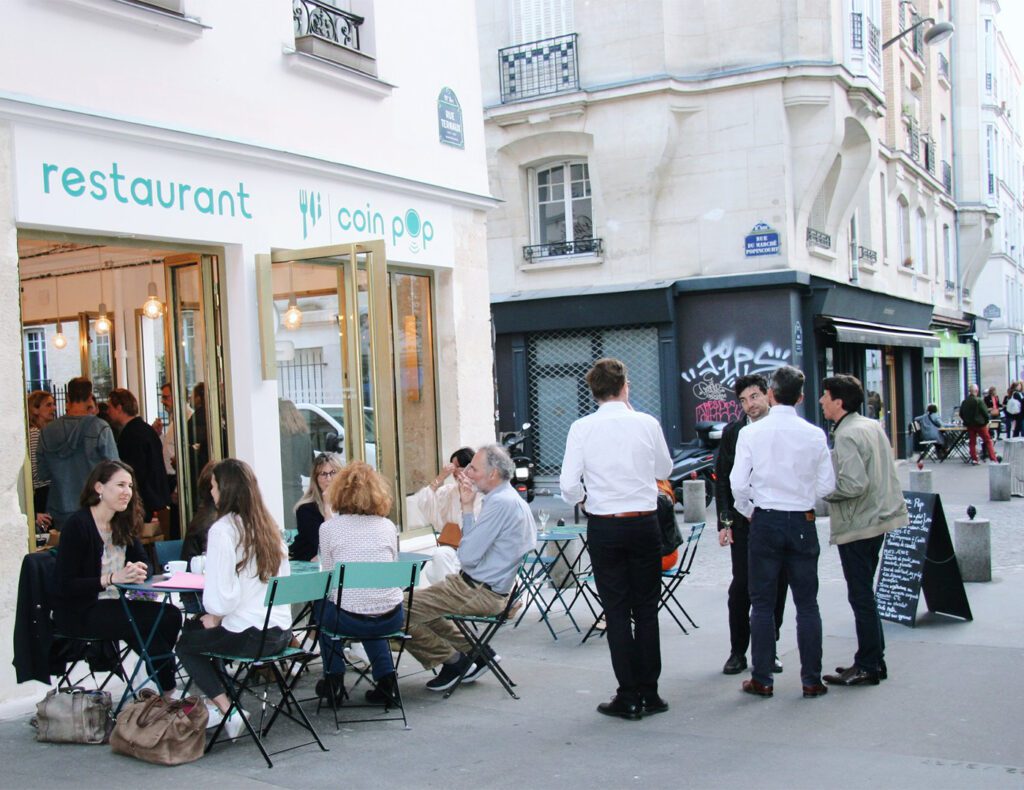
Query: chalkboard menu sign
{"x":920,"y":557}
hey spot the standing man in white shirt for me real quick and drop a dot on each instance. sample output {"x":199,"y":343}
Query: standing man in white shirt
{"x":782,"y":468}
{"x":619,"y":454}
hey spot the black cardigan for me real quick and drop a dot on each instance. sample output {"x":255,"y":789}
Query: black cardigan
{"x":79,"y":558}
{"x":307,"y":542}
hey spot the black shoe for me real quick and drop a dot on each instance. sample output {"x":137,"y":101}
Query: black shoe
{"x":331,"y":689}
{"x":385,"y":693}
{"x":621,"y":708}
{"x":883,"y":670}
{"x":777,"y":666}
{"x":450,"y":673}
{"x":480,"y":665}
{"x":853,"y":676}
{"x":653,"y":704}
{"x":734,"y":665}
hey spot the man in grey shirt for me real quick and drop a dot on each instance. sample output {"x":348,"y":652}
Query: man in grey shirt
{"x":492,"y":547}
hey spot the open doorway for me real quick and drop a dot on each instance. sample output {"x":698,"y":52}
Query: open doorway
{"x":140,"y":318}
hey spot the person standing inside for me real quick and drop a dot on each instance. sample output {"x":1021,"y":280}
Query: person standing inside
{"x":974,"y":416}
{"x":41,"y":412}
{"x":867,"y":502}
{"x":734,"y":528}
{"x":613,"y":459}
{"x":139,"y":446}
{"x":782,"y":468}
{"x":69,"y":448}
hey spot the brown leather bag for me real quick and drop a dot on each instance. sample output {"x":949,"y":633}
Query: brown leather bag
{"x":161,"y":732}
{"x":451,"y":535}
{"x":74,"y":716}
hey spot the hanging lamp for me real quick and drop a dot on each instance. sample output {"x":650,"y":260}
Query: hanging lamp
{"x":102,"y":324}
{"x":59,"y":341}
{"x":153,"y":308}
{"x":293,"y":315}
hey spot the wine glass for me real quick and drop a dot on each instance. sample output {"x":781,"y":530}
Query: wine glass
{"x":542,"y":518}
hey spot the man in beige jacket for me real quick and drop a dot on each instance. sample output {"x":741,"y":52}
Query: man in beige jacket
{"x":867,"y":502}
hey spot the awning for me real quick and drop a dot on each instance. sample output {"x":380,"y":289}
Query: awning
{"x":868,"y":334}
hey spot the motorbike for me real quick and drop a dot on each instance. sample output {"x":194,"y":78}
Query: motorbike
{"x":522,"y":477}
{"x":695,"y":460}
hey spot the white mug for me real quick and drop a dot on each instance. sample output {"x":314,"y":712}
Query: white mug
{"x":175,"y":566}
{"x":198,"y":564}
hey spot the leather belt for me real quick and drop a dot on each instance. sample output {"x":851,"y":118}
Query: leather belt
{"x":473,"y":582}
{"x":630,"y":514}
{"x":808,"y":514}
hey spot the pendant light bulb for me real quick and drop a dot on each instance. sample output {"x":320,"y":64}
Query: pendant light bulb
{"x":153,"y":308}
{"x":293,"y":315}
{"x":102,"y":322}
{"x":59,"y":341}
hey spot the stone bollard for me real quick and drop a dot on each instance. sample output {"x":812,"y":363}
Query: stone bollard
{"x":694,"y":494}
{"x":921,"y":480}
{"x":972,"y":541}
{"x":999,"y":482}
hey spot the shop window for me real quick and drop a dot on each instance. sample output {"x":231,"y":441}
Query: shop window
{"x":35,"y":360}
{"x":563,"y":221}
{"x":339,"y":31}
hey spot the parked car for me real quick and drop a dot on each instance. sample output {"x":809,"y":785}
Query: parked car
{"x":326,"y":423}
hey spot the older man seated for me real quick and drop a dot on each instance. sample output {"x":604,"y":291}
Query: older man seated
{"x":493,"y":545}
{"x":930,"y":423}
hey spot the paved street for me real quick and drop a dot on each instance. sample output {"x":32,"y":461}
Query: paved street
{"x":948,"y":717}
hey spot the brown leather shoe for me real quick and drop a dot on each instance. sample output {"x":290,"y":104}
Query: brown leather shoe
{"x":757,"y":689}
{"x":817,"y":690}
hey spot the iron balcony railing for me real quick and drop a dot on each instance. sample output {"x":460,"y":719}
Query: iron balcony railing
{"x":929,"y":157}
{"x":539,"y":68}
{"x":991,"y":183}
{"x":875,"y":45}
{"x":913,"y":139}
{"x":817,"y":238}
{"x":315,"y":18}
{"x":867,"y":254}
{"x":857,"y":30}
{"x":947,"y":178}
{"x":944,"y":67}
{"x":967,"y":293}
{"x":950,"y":285}
{"x":534,"y":252}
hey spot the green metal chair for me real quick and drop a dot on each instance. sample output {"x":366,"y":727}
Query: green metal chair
{"x":373,"y":576}
{"x":671,"y":579}
{"x":281,"y":591}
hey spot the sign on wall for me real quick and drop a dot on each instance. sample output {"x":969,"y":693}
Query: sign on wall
{"x":449,"y":119}
{"x":762,"y":240}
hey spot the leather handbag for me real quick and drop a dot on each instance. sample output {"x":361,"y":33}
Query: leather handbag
{"x":161,"y":732}
{"x":74,"y":715}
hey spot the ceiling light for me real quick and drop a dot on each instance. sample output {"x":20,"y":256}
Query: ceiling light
{"x":59,"y":341}
{"x":153,"y":308}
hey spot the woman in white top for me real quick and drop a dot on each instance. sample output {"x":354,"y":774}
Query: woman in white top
{"x":441,"y":508}
{"x":244,"y":550}
{"x":359,"y":532}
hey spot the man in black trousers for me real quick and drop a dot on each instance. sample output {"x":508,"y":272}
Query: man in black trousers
{"x":734,"y":528}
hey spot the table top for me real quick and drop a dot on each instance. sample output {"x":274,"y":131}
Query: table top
{"x":953,"y":428}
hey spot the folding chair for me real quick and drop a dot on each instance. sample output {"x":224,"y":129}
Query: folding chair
{"x":479,"y":630}
{"x":926,"y":446}
{"x":281,"y":591}
{"x":165,"y":551}
{"x":372,"y":576}
{"x":670,"y":580}
{"x":76,"y":649}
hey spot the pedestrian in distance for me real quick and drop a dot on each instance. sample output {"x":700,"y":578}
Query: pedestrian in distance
{"x":974,"y":416}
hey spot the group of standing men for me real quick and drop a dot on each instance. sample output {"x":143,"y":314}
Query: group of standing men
{"x":773,"y":468}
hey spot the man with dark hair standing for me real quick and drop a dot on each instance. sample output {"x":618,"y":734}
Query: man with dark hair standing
{"x":619,"y":454}
{"x":734,"y":528}
{"x":782,"y":467}
{"x":867,"y":503}
{"x":69,"y":447}
{"x":139,"y":446}
{"x":974,"y":416}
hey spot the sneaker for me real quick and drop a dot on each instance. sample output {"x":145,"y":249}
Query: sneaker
{"x":233,"y":725}
{"x":450,"y":673}
{"x":777,"y":666}
{"x":215,"y":715}
{"x":355,"y":654}
{"x":481,"y":666}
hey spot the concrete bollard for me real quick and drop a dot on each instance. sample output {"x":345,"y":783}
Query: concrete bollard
{"x":921,"y":480}
{"x":999,"y":482}
{"x":972,"y":541}
{"x":694,"y":494}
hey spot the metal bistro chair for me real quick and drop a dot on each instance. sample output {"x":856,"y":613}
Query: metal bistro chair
{"x":670,"y":580}
{"x":373,"y":576}
{"x":927,"y":447}
{"x":282,"y":590}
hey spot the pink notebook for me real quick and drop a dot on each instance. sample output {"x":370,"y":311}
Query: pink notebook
{"x":184,"y":581}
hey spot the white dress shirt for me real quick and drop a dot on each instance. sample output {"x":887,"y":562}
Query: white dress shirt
{"x":782,"y":463}
{"x":618,"y":453}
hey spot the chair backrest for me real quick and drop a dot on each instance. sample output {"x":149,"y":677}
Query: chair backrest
{"x":300,"y":588}
{"x":689,"y":549}
{"x":376,"y":575}
{"x":167,"y":550}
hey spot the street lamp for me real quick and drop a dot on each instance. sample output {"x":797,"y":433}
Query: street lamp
{"x":936,"y":33}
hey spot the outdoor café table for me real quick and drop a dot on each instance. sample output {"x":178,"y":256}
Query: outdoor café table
{"x":956,"y":442}
{"x":536,"y":571}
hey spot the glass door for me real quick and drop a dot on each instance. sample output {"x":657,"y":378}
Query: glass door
{"x":195,"y":366}
{"x":326,"y":339}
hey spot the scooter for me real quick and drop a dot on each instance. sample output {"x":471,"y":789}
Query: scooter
{"x":522,"y":477}
{"x":695,"y":460}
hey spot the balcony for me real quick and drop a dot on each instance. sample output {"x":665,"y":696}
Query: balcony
{"x":947,"y":177}
{"x":857,"y":30}
{"x":540,"y":68}
{"x":817,"y":238}
{"x":329,"y":33}
{"x":875,"y":45}
{"x":944,"y":67}
{"x":533,"y":253}
{"x":913,"y":138}
{"x":929,"y":156}
{"x":869,"y":256}
{"x":950,"y":286}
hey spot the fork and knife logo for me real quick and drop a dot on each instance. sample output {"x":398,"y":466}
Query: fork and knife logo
{"x":311,"y":209}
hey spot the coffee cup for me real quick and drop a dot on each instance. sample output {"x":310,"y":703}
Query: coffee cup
{"x":175,"y":566}
{"x":198,"y":564}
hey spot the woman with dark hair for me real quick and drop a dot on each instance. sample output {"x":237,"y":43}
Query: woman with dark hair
{"x":311,"y":510}
{"x":194,"y":543}
{"x":360,"y":531}
{"x":442,"y":510}
{"x":244,"y":551}
{"x":41,"y":411}
{"x":99,"y":548}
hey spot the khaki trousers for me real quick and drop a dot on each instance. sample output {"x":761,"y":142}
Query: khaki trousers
{"x":434,"y":638}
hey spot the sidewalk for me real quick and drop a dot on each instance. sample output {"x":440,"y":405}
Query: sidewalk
{"x":948,"y":717}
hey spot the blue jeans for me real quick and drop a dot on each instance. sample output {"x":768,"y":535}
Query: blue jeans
{"x":784,"y":540}
{"x":860,"y":560}
{"x":361,"y":628}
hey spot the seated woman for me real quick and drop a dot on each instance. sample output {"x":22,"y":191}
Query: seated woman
{"x":244,"y":551}
{"x":99,"y":547}
{"x":360,"y":531}
{"x":310,"y":511}
{"x":441,"y":508}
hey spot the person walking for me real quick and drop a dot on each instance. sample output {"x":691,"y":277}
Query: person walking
{"x":974,"y":416}
{"x":618,"y":454}
{"x":782,"y":467}
{"x":866,"y":504}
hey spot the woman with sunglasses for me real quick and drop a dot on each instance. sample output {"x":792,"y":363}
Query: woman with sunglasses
{"x":311,"y":511}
